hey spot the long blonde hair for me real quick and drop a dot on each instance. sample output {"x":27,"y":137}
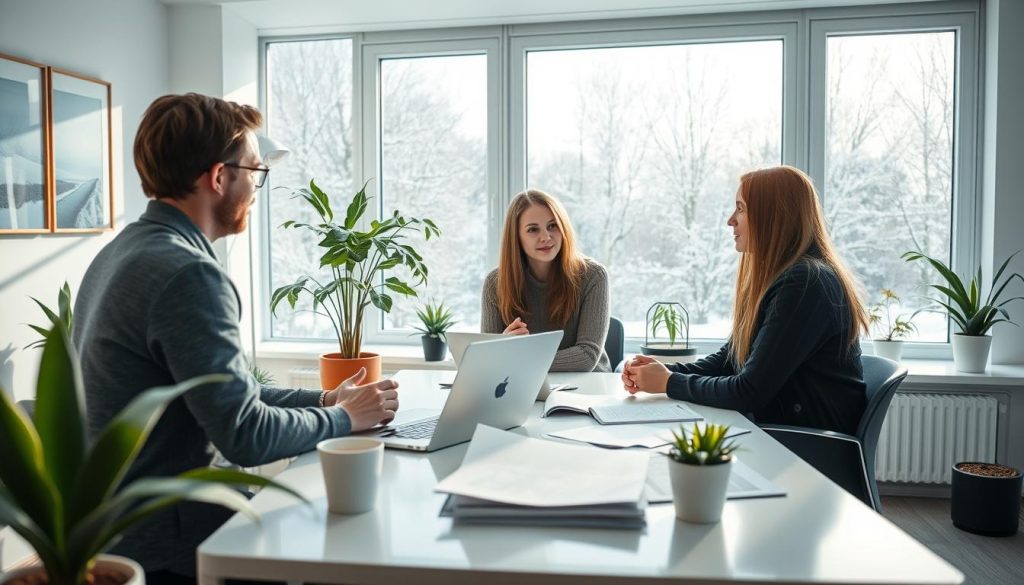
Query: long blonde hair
{"x":784,"y":221}
{"x":567,"y":268}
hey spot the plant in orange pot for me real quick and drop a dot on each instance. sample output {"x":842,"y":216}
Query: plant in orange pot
{"x":353,"y":266}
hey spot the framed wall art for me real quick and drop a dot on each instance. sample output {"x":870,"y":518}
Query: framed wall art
{"x":24,"y":147}
{"x":80,"y":145}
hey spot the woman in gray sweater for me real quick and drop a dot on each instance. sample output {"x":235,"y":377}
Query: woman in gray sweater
{"x":543,"y":283}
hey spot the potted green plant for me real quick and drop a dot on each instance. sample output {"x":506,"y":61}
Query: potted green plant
{"x":436,"y":320}
{"x":973,"y":314}
{"x":355,"y":261}
{"x":63,"y":494}
{"x":675,"y":320}
{"x":62,"y":317}
{"x":891,"y":329}
{"x":699,"y":465}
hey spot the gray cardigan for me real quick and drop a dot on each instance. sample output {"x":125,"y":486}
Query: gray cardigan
{"x":582,"y":346}
{"x":155,"y":308}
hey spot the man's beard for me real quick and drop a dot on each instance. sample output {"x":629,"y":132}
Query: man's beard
{"x":232,"y":215}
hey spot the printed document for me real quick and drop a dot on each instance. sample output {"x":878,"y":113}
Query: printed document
{"x":512,"y":469}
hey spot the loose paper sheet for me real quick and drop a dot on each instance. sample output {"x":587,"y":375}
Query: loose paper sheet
{"x":509,"y":468}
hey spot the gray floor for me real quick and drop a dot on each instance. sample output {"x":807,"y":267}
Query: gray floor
{"x":983,"y":560}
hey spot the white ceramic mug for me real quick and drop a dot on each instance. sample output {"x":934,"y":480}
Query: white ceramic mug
{"x":352,"y":468}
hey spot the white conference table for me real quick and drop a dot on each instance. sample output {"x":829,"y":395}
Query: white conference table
{"x":818,"y":533}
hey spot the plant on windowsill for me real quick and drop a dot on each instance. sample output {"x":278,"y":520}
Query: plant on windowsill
{"x":699,"y":465}
{"x":891,"y":330}
{"x":356,"y":262}
{"x":64,"y":494}
{"x":436,"y":320}
{"x":973,"y":314}
{"x":674,"y":318}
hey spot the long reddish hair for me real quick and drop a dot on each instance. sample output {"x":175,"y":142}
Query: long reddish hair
{"x":567,"y":267}
{"x":784,"y":221}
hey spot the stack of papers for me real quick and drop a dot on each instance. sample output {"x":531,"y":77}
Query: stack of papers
{"x":611,"y":410}
{"x":506,"y":478}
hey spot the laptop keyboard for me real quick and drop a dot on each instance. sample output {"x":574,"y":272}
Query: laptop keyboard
{"x":420,"y":429}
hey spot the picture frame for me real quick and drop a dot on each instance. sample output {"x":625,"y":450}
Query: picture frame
{"x":81,"y":192}
{"x":25,"y":206}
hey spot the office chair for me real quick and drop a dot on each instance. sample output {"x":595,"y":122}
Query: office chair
{"x":615,"y":343}
{"x":849,"y":460}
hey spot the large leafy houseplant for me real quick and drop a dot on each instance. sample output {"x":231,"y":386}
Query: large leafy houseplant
{"x":355,"y":261}
{"x":64,"y":494}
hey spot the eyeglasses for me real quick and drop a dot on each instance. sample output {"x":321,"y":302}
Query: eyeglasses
{"x":259,"y":174}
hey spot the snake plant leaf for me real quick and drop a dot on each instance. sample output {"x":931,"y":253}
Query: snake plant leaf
{"x":236,"y":477}
{"x":14,"y":516}
{"x":60,"y":413}
{"x":22,"y":470}
{"x":122,"y":439}
{"x":142,"y":498}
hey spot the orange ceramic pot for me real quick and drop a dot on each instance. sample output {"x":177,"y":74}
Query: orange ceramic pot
{"x":335,"y":369}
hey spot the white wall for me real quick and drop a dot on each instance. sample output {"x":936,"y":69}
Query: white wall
{"x":1003,"y":168}
{"x":120,"y":41}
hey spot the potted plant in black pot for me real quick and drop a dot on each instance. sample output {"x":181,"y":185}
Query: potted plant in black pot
{"x":64,"y":494}
{"x":699,"y":466}
{"x":891,"y":329}
{"x":675,"y":320}
{"x":986,"y":498}
{"x":436,"y":320}
{"x":973,"y":314}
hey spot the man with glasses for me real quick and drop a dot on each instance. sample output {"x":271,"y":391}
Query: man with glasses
{"x":156,"y":308}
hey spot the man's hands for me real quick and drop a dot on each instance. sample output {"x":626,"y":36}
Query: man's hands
{"x":367,"y":405}
{"x":645,"y":373}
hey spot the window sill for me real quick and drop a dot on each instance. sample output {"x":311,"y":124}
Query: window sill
{"x":395,"y":357}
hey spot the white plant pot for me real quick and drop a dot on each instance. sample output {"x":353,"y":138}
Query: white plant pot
{"x":698,"y":491}
{"x":892,"y":350}
{"x":122,"y":565}
{"x":970,"y":352}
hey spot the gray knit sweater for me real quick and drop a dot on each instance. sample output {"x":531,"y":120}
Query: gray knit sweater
{"x":155,"y":309}
{"x":582,"y":347}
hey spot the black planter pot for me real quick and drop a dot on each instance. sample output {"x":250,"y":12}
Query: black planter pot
{"x":986,"y":505}
{"x":435,"y":348}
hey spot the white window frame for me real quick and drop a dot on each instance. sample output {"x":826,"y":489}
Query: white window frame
{"x":803,"y":33}
{"x":438,"y":43}
{"x":966,"y":213}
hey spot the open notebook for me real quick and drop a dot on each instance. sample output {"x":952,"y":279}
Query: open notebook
{"x":612,"y":410}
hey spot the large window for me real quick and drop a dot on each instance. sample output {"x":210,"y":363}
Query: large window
{"x":309,"y":105}
{"x":433,"y":151}
{"x":642,"y":128}
{"x":890,"y":122}
{"x":644,"y":145}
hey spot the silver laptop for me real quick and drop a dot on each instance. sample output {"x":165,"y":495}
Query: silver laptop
{"x":459,"y":341}
{"x":496,"y":385}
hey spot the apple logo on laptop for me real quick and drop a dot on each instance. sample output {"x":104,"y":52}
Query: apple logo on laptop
{"x":499,"y":390}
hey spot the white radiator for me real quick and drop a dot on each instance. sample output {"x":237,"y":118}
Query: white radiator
{"x":308,"y":378}
{"x":924,"y":434}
